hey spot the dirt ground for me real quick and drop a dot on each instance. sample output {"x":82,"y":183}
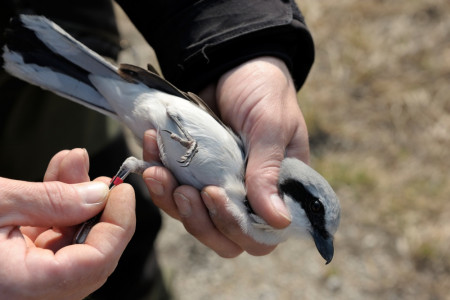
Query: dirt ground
{"x":378,"y":111}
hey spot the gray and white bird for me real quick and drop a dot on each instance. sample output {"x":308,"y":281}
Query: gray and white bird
{"x":194,"y":144}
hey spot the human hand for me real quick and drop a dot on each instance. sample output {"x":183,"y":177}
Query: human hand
{"x":258,"y":100}
{"x":37,"y":258}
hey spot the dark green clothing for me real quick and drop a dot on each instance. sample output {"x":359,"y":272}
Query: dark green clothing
{"x":36,"y":124}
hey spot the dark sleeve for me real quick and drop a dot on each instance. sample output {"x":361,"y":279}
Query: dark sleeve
{"x":90,"y":21}
{"x":197,"y":41}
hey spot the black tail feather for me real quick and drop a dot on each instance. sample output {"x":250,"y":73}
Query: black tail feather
{"x":24,"y":41}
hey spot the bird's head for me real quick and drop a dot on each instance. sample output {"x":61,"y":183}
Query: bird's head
{"x":314,"y":206}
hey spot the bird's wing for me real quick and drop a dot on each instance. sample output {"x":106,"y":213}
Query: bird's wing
{"x":153,"y":80}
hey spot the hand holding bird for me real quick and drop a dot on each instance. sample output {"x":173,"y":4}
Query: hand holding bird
{"x":194,"y":145}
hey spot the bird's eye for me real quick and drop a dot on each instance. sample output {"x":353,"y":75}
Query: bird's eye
{"x":316,"y":206}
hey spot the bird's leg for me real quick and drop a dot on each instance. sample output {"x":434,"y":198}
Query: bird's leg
{"x":188,"y":141}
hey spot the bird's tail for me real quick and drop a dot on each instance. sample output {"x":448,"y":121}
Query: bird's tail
{"x":42,"y":53}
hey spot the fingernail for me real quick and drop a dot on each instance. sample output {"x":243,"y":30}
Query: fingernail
{"x":86,"y":159}
{"x":155,"y":186}
{"x":209,"y":202}
{"x":183,"y":204}
{"x":93,"y":192}
{"x":280,"y":207}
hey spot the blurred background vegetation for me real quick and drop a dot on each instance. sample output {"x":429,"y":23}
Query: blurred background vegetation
{"x":378,"y":108}
{"x":378,"y":112}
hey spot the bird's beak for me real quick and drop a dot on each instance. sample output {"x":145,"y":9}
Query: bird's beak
{"x":324,"y":246}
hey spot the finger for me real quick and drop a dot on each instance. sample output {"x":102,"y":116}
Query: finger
{"x":216,"y":201}
{"x":69,"y":166}
{"x":161,"y":185}
{"x":150,"y":146}
{"x":195,"y":218}
{"x":117,"y":223}
{"x":32,"y":232}
{"x":262,"y":184}
{"x":55,"y":238}
{"x":263,"y":169}
{"x":267,"y":150}
{"x":49,"y":203}
{"x":74,"y":272}
{"x":51,"y":174}
{"x":78,"y":270}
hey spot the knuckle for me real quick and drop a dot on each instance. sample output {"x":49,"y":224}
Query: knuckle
{"x":54,"y":195}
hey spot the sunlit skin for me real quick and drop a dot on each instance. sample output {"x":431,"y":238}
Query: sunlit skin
{"x":38,"y":260}
{"x":257,"y":99}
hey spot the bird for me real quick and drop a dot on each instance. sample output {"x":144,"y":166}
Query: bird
{"x":194,"y":144}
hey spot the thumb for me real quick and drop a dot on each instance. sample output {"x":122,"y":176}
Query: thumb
{"x":49,"y":203}
{"x":262,"y":189}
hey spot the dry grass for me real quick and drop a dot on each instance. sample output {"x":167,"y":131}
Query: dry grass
{"x":378,"y":99}
{"x":377,"y":106}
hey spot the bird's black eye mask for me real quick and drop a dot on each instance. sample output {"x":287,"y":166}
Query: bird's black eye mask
{"x":313,"y":207}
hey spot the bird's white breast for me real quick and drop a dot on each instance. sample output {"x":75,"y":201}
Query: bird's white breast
{"x":218,"y":154}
